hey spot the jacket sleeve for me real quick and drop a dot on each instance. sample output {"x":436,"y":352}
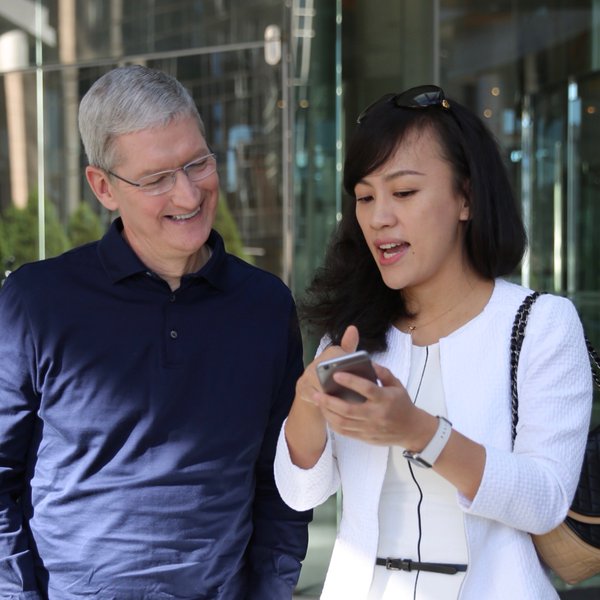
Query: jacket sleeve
{"x":307,"y":488}
{"x":18,"y":406}
{"x":280,"y":536}
{"x":532,"y":488}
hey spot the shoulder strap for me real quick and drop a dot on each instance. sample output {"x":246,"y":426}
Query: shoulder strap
{"x":516,"y":341}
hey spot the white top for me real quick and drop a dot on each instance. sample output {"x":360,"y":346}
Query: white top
{"x":428,"y":528}
{"x":528,"y":490}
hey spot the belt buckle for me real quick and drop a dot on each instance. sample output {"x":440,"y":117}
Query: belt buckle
{"x":398,"y":564}
{"x":390,"y":565}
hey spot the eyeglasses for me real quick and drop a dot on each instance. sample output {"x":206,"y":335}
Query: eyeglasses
{"x":422,"y":96}
{"x":162,"y":182}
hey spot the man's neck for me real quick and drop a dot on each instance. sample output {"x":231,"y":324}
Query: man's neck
{"x":171,"y":269}
{"x":193,"y":264}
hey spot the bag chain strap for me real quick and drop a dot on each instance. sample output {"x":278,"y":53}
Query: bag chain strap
{"x":595,"y":361}
{"x":516,"y":341}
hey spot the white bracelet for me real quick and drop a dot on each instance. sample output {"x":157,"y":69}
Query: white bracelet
{"x":427,"y":457}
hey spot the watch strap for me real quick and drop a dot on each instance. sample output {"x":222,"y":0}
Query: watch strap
{"x":427,"y":457}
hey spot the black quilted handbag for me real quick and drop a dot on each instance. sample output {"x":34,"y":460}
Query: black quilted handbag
{"x":586,"y":504}
{"x":572,"y":550}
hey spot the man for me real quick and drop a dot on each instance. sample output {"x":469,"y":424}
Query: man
{"x":143,"y":382}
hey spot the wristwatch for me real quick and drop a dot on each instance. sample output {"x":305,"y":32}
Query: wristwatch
{"x":427,"y":457}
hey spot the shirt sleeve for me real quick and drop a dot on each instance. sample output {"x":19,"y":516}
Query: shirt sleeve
{"x":555,"y":396}
{"x":18,"y":406}
{"x":280,"y":536}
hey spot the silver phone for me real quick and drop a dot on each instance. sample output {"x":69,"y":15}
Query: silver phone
{"x":358,"y":363}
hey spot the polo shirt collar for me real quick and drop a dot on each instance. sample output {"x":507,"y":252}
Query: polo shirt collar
{"x":121,"y":262}
{"x":215,"y":269}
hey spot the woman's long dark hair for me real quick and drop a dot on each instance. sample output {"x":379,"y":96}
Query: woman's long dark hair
{"x":348,"y":289}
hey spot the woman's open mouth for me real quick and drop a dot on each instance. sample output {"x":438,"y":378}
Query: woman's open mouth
{"x":389,"y":252}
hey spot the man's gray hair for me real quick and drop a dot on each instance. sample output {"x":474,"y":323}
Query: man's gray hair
{"x":129,"y":99}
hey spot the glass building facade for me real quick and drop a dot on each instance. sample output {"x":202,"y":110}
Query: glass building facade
{"x":279,"y":83}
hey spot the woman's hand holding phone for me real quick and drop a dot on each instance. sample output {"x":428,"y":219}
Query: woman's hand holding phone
{"x":388,"y":417}
{"x":364,"y":400}
{"x":306,"y":425}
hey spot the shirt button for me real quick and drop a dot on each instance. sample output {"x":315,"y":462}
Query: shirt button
{"x":172,"y":298}
{"x":173,"y":334}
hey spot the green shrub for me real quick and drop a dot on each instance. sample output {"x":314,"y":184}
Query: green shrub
{"x":84,"y":225}
{"x":20,"y":233}
{"x":225,"y":224}
{"x":4,"y":254}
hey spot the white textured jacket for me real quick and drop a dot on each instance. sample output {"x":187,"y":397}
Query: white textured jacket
{"x":528,"y":490}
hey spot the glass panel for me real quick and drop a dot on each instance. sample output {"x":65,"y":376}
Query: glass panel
{"x":104,"y":29}
{"x":492,"y":56}
{"x":386,"y":46}
{"x":548,"y":206}
{"x":585,"y":212}
{"x":587,"y":242}
{"x":314,"y":155}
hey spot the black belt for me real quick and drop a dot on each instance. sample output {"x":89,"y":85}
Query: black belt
{"x":405,"y":564}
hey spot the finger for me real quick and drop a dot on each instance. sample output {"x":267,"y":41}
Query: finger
{"x":350,"y":339}
{"x":332,"y":351}
{"x":363,"y":386}
{"x":347,"y":418}
{"x":340,"y":409}
{"x":386,"y":376}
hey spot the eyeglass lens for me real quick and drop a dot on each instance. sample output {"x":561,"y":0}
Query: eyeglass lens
{"x":163,"y":182}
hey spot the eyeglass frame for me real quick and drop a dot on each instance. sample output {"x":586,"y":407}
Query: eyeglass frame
{"x":431,"y":95}
{"x":171,"y":172}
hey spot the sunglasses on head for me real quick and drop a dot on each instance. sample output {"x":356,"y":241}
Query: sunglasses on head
{"x":422,"y":96}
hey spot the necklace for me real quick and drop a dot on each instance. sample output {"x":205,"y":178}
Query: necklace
{"x":411,"y":328}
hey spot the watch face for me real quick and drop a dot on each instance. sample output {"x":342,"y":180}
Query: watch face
{"x":415,"y":459}
{"x":434,"y":447}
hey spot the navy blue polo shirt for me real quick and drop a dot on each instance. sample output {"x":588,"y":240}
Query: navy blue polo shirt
{"x":138,"y":429}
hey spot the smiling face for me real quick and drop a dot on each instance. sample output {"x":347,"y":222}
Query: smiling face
{"x":412,"y":216}
{"x":167,"y":231}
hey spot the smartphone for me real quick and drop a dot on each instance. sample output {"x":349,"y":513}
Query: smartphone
{"x":357,"y":363}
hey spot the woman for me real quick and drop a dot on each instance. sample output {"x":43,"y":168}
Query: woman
{"x":436,"y":504}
